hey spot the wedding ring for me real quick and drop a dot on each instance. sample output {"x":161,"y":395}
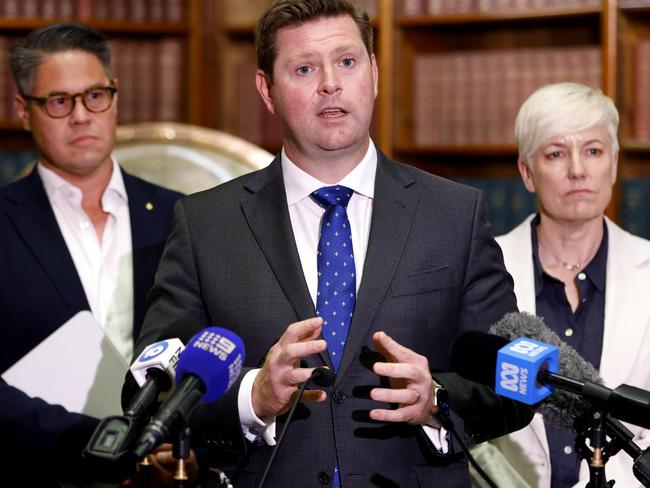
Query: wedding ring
{"x":417,"y":399}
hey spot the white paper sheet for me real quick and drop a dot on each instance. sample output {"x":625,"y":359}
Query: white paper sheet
{"x":76,"y":366}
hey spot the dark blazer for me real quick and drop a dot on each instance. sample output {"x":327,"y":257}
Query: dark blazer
{"x":40,"y":290}
{"x":432,"y":271}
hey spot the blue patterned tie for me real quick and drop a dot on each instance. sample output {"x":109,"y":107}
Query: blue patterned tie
{"x":336,"y":274}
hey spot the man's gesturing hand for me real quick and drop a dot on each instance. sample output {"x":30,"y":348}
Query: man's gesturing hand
{"x":276,"y":382}
{"x":410,"y":380}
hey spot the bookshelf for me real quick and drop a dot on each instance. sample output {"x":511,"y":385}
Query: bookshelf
{"x":483,"y":58}
{"x":507,"y":49}
{"x":158,"y":55}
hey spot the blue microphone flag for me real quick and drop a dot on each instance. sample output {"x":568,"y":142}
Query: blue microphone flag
{"x":518,"y":364}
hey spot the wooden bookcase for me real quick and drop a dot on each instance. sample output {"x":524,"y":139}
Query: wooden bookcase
{"x":166,"y":42}
{"x":617,"y":32}
{"x":601,"y":41}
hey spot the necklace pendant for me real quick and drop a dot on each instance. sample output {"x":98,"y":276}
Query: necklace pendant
{"x":571,"y":267}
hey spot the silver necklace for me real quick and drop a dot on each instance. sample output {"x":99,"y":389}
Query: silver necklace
{"x":565,"y":265}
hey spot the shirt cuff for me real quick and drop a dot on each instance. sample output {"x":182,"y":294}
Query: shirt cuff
{"x":438,"y":437}
{"x":254,"y":429}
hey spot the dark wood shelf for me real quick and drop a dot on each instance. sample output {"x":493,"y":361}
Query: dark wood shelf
{"x":635,"y":146}
{"x":240,"y":30}
{"x":107,"y":26}
{"x":488,"y":150}
{"x":505,"y":16}
{"x":11,"y":125}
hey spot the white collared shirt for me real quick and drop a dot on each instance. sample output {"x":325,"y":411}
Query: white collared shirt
{"x":105,"y":267}
{"x":306,"y":216}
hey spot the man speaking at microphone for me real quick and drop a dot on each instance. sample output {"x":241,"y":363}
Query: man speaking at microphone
{"x":329,"y":256}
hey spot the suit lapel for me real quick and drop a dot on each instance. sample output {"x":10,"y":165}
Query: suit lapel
{"x":267,"y":215}
{"x":36,"y":224}
{"x":393,"y":211}
{"x":147,"y":226}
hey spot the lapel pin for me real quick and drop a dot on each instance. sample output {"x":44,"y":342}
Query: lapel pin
{"x":149,"y":206}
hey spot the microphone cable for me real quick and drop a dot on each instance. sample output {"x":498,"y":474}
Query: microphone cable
{"x":322,"y":377}
{"x":441,"y":414}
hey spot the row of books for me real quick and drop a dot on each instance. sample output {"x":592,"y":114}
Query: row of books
{"x":640,"y":106}
{"x":449,"y":7}
{"x":508,"y":201}
{"x":241,"y":13}
{"x":247,"y":115}
{"x":634,"y":213}
{"x":472,"y":97}
{"x":83,"y":10}
{"x":149,"y":74}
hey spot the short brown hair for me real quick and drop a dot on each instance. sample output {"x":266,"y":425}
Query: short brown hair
{"x":283,"y":13}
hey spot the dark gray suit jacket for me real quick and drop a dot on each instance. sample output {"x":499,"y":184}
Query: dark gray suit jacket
{"x":432,"y":271}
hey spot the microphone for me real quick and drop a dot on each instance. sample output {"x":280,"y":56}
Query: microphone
{"x":207,"y":368}
{"x":474,"y":356}
{"x":180,"y":330}
{"x":526,"y":370}
{"x":322,"y":377}
{"x":154,"y":371}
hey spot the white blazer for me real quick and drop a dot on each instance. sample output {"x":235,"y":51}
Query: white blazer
{"x":626,"y":345}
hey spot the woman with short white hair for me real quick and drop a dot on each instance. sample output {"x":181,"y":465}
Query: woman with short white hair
{"x":588,"y":278}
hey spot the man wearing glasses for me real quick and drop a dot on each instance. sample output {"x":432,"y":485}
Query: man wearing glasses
{"x":78,"y":233}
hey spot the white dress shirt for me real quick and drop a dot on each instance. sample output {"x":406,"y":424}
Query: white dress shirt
{"x":105,"y":267}
{"x":306,"y":216}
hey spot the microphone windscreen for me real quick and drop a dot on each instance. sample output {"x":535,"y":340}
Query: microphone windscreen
{"x":214,"y":355}
{"x":571,"y":364}
{"x":474,"y":356}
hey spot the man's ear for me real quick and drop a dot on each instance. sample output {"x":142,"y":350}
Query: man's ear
{"x":264,"y":86}
{"x":20,"y":106}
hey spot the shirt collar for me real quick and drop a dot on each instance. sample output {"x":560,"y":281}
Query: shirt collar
{"x":596,"y":269}
{"x":55,"y":185}
{"x":299,"y":185}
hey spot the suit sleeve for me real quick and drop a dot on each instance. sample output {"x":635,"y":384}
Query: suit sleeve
{"x":43,"y":436}
{"x":487,"y":296}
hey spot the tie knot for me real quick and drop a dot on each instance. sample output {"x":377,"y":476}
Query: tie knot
{"x":329,"y":196}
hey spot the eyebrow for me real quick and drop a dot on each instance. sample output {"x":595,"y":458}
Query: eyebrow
{"x":563,"y":144}
{"x":55,"y":93}
{"x":338,"y":51}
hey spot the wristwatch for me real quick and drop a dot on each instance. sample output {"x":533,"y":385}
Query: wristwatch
{"x":440,"y":396}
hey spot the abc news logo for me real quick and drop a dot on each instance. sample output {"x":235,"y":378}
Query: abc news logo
{"x":513,"y":377}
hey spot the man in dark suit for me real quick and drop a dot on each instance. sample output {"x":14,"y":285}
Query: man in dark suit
{"x":76,"y":234}
{"x":254,"y":255}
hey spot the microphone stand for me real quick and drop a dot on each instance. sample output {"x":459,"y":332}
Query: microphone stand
{"x":592,"y":425}
{"x":146,"y":473}
{"x":599,"y":423}
{"x":181,"y":451}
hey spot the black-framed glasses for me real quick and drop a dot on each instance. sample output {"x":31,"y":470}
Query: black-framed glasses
{"x":95,"y":99}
